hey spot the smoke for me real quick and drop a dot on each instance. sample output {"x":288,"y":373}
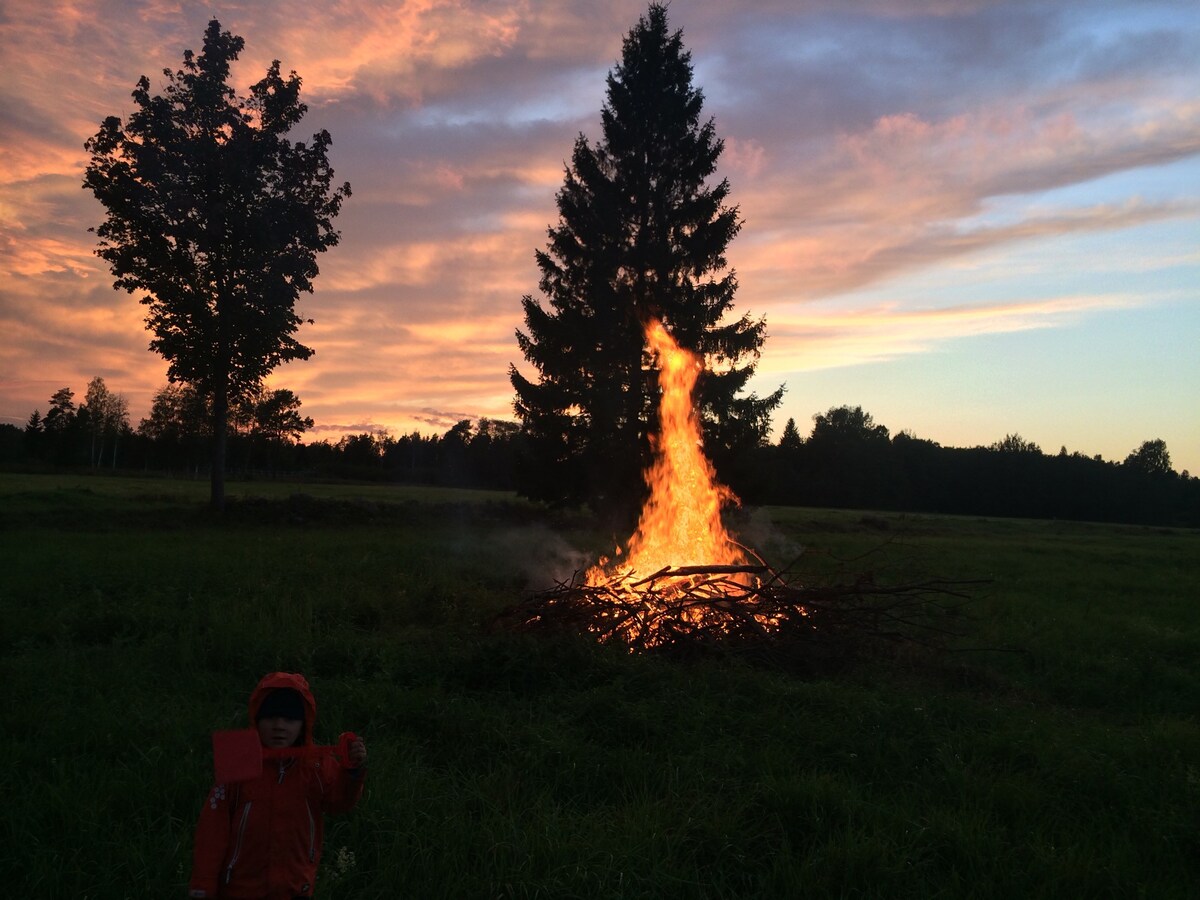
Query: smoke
{"x":541,"y":556}
{"x":758,"y":532}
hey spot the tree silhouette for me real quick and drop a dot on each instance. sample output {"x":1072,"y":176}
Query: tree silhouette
{"x":846,"y":423}
{"x":218,"y":217}
{"x":640,"y":234}
{"x":60,"y":427}
{"x":35,"y":434}
{"x":178,"y":425}
{"x":1014,"y":443}
{"x":107,"y":416}
{"x":277,"y":417}
{"x":1151,"y":457}
{"x":62,"y":411}
{"x":790,"y":439}
{"x":850,"y":457}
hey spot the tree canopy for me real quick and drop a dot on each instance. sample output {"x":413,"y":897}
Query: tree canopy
{"x":107,"y":418}
{"x":641,"y":234}
{"x":845,"y":423}
{"x":218,"y":217}
{"x":1151,"y":457}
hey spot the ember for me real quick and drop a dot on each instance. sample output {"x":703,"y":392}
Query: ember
{"x":683,"y":582}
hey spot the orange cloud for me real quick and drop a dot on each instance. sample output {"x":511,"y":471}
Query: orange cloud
{"x":453,"y":118}
{"x":804,"y":341}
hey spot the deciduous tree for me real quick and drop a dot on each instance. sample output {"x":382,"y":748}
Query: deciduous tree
{"x":178,"y":426}
{"x":1014,"y":443}
{"x":107,"y":419}
{"x":218,"y":217}
{"x":177,"y":412}
{"x":847,"y":423}
{"x":1151,"y":457}
{"x":277,"y":417}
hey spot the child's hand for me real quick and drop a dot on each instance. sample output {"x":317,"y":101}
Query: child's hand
{"x":356,"y":753}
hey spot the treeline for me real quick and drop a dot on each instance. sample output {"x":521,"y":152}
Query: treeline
{"x":264,"y":426}
{"x":263,"y":441}
{"x":848,"y":460}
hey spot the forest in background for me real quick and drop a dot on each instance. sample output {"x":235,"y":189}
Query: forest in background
{"x":847,"y":460}
{"x":641,"y":236}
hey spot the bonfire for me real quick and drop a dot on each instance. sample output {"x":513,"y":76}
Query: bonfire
{"x":683,"y":582}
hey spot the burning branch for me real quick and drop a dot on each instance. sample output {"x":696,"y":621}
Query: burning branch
{"x":752,"y":610}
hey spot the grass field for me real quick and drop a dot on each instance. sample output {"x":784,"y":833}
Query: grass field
{"x":135,"y":623}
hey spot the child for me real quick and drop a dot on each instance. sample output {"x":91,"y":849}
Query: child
{"x":262,"y":838}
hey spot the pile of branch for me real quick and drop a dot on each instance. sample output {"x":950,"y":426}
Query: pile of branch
{"x":749,"y":609}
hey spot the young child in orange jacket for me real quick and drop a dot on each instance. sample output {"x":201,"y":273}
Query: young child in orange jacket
{"x":262,"y":838}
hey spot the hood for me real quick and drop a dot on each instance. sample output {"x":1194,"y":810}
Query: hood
{"x":286,"y":680}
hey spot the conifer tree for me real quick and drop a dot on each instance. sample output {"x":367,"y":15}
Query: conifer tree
{"x":641,"y":234}
{"x":790,"y":439}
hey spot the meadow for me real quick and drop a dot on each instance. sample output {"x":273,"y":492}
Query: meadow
{"x":1054,"y":751}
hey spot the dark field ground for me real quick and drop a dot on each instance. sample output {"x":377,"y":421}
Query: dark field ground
{"x":1063,"y":760}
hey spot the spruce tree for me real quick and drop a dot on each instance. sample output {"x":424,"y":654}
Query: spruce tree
{"x":641,"y":234}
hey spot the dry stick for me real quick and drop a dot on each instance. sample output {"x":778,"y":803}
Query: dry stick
{"x":713,"y":570}
{"x":664,"y":570}
{"x":739,"y":609}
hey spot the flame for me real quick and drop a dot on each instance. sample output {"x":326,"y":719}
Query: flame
{"x":682,"y":576}
{"x":680,"y":523}
{"x":679,"y":529}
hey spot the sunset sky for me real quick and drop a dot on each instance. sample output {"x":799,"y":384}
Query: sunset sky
{"x":972,"y":219}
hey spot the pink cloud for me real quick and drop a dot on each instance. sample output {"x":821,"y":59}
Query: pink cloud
{"x":453,"y":118}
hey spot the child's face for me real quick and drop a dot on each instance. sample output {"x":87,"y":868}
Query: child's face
{"x":277,"y":731}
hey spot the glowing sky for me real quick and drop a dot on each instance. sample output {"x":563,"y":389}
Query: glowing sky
{"x":970,"y":218}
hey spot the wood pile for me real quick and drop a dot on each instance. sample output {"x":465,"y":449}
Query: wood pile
{"x":751,"y":610}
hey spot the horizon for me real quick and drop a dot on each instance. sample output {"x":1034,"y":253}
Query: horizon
{"x":971,"y":219}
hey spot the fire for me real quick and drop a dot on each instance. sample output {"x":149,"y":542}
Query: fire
{"x":680,"y":528}
{"x":680,"y":523}
{"x":684,"y":582}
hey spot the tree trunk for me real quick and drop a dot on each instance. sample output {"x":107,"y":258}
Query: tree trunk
{"x":220,"y":422}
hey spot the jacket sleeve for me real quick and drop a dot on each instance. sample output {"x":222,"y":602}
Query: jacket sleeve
{"x":341,"y":787}
{"x":211,"y":841}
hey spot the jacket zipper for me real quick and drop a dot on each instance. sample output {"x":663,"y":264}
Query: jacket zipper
{"x":312,"y":833}
{"x":237,"y":848}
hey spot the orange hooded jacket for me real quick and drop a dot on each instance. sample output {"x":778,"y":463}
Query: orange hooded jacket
{"x":262,"y":838}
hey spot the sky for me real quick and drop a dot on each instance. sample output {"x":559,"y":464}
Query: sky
{"x":970,"y":218}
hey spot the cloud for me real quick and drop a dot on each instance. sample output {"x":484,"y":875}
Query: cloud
{"x":909,"y":193}
{"x":881,"y":331}
{"x":863,"y":148}
{"x":346,"y":428}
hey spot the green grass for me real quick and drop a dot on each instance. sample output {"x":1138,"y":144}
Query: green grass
{"x":508,"y":766}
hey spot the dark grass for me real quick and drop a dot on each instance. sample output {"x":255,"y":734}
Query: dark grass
{"x":506,"y":765}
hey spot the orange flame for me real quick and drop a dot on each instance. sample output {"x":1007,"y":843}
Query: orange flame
{"x":680,"y":523}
